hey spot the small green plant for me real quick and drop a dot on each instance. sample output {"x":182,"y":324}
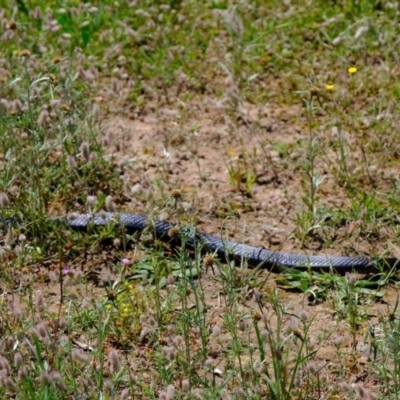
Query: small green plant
{"x":314,"y":180}
{"x":242,"y":174}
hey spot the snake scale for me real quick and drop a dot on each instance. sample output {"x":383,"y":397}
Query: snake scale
{"x":228,"y":249}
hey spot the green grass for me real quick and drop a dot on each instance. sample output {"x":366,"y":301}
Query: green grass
{"x":297,"y":137}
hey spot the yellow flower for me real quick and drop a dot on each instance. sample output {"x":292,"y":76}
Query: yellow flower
{"x":352,"y":70}
{"x":329,"y":86}
{"x":125,"y":310}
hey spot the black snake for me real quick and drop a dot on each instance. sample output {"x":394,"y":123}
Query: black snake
{"x":228,"y":249}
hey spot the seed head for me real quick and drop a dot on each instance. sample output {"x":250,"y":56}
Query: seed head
{"x":290,"y":326}
{"x":91,"y":200}
{"x":23,"y":372}
{"x":257,"y":295}
{"x":185,"y":385}
{"x":62,"y":323}
{"x":56,"y":379}
{"x":298,"y":380}
{"x":170,"y":392}
{"x":14,"y":308}
{"x":151,"y":321}
{"x":8,"y":383}
{"x":16,"y":105}
{"x":265,"y":335}
{"x":104,"y":141}
{"x":298,"y":333}
{"x":265,"y":317}
{"x":198,"y":394}
{"x":73,"y":216}
{"x":240,"y":393}
{"x":5,"y":365}
{"x":80,"y":356}
{"x":53,"y":79}
{"x":263,"y":369}
{"x":41,"y":330}
{"x":360,"y":31}
{"x":39,"y":301}
{"x":277,"y":353}
{"x":115,"y":365}
{"x":87,"y":75}
{"x":95,"y":110}
{"x":103,"y":215}
{"x":169,"y":353}
{"x":345,"y":387}
{"x":35,"y":13}
{"x":137,"y":189}
{"x":9,"y":237}
{"x":209,"y":363}
{"x":314,"y":91}
{"x":72,"y":162}
{"x":53,"y":277}
{"x":116,"y":85}
{"x":18,"y":359}
{"x":208,"y":261}
{"x":362,"y":391}
{"x":216,"y":331}
{"x":178,"y":341}
{"x":312,"y":369}
{"x":4,"y":103}
{"x":242,"y":325}
{"x":45,"y":378}
{"x":85,"y":151}
{"x":173,"y":232}
{"x":303,"y":315}
{"x":25,"y":53}
{"x":43,"y":118}
{"x":351,"y":278}
{"x":11,"y":25}
{"x":4,"y":200}
{"x":176,"y":194}
{"x":170,"y":280}
{"x":93,"y":156}
{"x":110,"y":205}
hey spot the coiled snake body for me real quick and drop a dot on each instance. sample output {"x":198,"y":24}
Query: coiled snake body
{"x":228,"y":249}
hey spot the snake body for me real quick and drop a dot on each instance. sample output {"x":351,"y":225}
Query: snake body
{"x":228,"y":249}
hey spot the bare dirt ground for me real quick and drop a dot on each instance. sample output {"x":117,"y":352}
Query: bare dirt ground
{"x":206,"y":152}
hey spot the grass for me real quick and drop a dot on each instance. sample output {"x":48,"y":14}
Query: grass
{"x":275,"y":124}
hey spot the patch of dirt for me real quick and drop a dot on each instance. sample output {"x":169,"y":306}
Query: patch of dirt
{"x":210,"y":153}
